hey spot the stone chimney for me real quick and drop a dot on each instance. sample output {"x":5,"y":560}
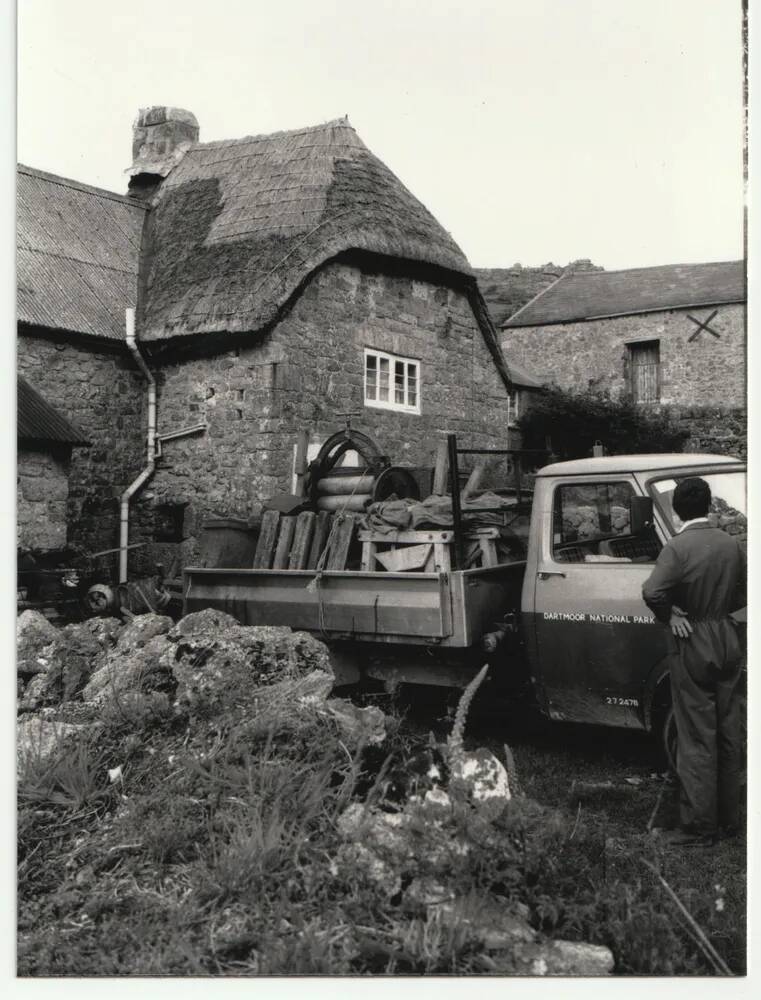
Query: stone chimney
{"x":160,"y":138}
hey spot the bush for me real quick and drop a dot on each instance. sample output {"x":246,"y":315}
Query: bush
{"x":574,"y":421}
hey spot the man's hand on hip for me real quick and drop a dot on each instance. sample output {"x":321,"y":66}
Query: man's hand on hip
{"x":680,"y":626}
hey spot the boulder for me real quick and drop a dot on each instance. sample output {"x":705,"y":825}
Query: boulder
{"x":37,"y":739}
{"x":219,"y":670}
{"x":105,"y":631}
{"x":484,"y":780}
{"x":70,"y":659}
{"x":359,"y":726}
{"x":201,"y":622}
{"x":138,"y":669}
{"x":140,"y":630}
{"x":563,"y":958}
{"x":309,"y":691}
{"x":33,"y":633}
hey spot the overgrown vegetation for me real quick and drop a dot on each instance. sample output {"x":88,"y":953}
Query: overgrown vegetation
{"x":573,"y":422}
{"x":160,"y":844}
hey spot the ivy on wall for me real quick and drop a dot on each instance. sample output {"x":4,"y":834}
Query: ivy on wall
{"x":573,"y":422}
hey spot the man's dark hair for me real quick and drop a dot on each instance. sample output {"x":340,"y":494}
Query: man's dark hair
{"x":692,"y":498}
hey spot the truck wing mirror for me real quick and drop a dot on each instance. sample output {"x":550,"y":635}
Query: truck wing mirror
{"x":640,"y":514}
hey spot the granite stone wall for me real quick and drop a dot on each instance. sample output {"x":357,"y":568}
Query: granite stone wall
{"x":703,"y":381}
{"x":42,"y":489}
{"x":705,"y":371}
{"x":307,"y":373}
{"x":98,"y":388}
{"x":718,"y":430}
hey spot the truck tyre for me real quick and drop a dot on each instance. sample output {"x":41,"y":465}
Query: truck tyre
{"x":663,"y":729}
{"x":668,"y":738}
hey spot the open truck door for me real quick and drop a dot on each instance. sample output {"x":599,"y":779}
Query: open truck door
{"x":595,"y":643}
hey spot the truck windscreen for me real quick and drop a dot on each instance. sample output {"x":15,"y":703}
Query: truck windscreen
{"x":728,"y":500}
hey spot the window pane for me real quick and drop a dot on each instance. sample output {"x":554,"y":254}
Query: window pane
{"x":371,"y":380}
{"x":412,"y":385}
{"x":399,"y":382}
{"x":383,"y":379}
{"x":728,"y":509}
{"x":591,"y":524}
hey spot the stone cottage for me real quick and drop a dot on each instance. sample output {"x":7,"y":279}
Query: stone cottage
{"x":282,"y":283}
{"x":665,"y":337}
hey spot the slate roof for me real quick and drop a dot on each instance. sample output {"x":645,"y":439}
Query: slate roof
{"x":39,"y":421}
{"x":77,"y":254}
{"x":507,"y":289}
{"x":585,"y":295}
{"x":238,"y":225}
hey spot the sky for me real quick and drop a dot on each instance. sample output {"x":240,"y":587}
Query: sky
{"x":534,"y":131}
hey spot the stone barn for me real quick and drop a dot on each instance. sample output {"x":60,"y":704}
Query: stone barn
{"x":283,"y":284}
{"x":77,"y":260}
{"x":665,"y":337}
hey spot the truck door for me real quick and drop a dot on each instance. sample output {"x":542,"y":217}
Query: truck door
{"x":595,"y":639}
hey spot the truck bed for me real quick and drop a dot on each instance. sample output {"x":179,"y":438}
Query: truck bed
{"x":452,"y":609}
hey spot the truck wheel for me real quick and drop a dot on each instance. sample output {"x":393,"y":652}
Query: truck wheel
{"x":668,"y":738}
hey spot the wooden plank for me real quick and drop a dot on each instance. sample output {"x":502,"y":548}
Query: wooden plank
{"x":319,"y":538}
{"x":490,"y":532}
{"x":488,"y":552}
{"x":300,"y":462}
{"x":265,"y":547}
{"x":413,"y":537}
{"x":404,"y":559}
{"x":441,"y":470}
{"x":475,"y":477}
{"x":302,"y":540}
{"x":441,"y":559}
{"x":283,"y":549}
{"x":368,"y":556}
{"x":341,"y":536}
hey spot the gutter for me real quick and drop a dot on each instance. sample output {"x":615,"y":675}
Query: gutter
{"x":153,"y":445}
{"x":147,"y":472}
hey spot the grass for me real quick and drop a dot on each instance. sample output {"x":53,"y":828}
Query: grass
{"x":217,"y":853}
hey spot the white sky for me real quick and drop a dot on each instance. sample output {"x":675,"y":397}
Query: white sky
{"x":534,"y":130}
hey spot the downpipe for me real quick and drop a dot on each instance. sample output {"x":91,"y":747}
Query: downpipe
{"x":147,"y":472}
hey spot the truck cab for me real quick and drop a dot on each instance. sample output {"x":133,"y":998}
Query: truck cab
{"x":596,"y":653}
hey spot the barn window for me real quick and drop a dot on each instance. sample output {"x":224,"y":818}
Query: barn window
{"x":392,"y":382}
{"x":644,"y":361}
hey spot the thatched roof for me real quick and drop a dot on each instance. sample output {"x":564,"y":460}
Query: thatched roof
{"x":525,"y":379}
{"x":77,"y":255}
{"x":238,"y":225}
{"x":590,"y":295}
{"x":40,"y":422}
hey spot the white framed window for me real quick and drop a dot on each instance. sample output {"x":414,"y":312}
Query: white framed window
{"x":513,"y":407}
{"x":392,"y":382}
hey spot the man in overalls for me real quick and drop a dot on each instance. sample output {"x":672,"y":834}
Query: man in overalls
{"x":697,"y":580}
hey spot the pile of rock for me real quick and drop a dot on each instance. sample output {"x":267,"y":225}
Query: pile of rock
{"x":208,"y":666}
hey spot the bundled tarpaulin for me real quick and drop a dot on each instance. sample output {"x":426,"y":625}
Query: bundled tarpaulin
{"x":435,"y":513}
